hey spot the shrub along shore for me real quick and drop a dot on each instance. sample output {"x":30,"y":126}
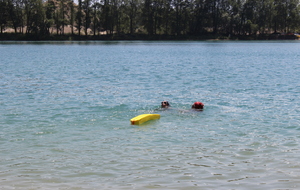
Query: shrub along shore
{"x":115,"y":37}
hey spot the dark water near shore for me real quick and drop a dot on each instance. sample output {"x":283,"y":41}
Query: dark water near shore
{"x":65,"y":109}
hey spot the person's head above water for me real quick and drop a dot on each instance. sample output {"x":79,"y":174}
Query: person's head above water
{"x":165,"y":104}
{"x":198,"y":105}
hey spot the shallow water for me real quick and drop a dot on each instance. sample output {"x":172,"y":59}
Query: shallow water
{"x":65,"y":109}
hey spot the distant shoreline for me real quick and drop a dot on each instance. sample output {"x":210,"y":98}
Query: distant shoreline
{"x":133,"y":37}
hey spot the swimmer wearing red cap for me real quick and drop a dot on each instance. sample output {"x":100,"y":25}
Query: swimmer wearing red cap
{"x":198,"y":105}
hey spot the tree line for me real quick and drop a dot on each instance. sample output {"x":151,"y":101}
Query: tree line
{"x":150,"y":17}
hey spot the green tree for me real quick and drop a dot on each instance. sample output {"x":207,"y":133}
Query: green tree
{"x":106,"y":16}
{"x":132,"y":14}
{"x":50,"y":11}
{"x":86,"y":7}
{"x":293,"y":16}
{"x":3,"y":14}
{"x":62,"y":15}
{"x":250,"y":16}
{"x":15,"y":14}
{"x":72,"y":15}
{"x":78,"y":18}
{"x":147,"y":16}
{"x":95,"y":25}
{"x":35,"y":17}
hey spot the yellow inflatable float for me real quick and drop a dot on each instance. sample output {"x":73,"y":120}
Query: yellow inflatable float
{"x":143,"y":118}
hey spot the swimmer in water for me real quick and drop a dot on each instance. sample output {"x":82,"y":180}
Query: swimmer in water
{"x":165,"y":104}
{"x":198,"y":106}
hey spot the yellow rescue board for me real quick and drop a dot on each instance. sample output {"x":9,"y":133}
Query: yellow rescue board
{"x":143,"y":118}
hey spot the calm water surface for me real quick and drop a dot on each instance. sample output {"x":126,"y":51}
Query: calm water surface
{"x":65,"y":111}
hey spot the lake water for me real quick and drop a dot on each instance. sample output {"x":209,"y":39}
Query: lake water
{"x":65,"y":110}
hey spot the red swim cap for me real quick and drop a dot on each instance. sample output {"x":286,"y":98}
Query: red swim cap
{"x":199,"y":104}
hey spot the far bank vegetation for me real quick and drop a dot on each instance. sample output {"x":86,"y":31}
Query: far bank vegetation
{"x":149,"y":17}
